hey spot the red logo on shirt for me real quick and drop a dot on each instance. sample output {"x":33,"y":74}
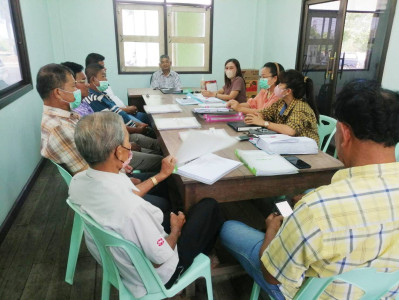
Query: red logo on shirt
{"x":160,"y":242}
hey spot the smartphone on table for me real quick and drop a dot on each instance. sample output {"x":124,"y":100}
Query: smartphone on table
{"x":299,"y":163}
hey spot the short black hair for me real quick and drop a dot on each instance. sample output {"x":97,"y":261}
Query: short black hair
{"x":50,"y":77}
{"x":76,"y":68}
{"x":371,"y":111}
{"x":93,"y":58}
{"x":92,"y":70}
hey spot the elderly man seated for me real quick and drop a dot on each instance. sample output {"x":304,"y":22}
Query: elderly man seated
{"x":170,"y":241}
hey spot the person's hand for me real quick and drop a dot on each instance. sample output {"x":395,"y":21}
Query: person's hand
{"x":135,"y":147}
{"x":177,"y":222}
{"x":233,"y":104}
{"x":254,"y":119}
{"x":128,"y":169}
{"x":141,"y":128}
{"x":168,"y":165}
{"x":132,"y":109}
{"x":135,"y":181}
{"x":273,"y":222}
{"x":207,"y":93}
{"x":295,"y":199}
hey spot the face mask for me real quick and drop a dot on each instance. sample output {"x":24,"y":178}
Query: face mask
{"x":230,"y":73}
{"x":279,"y":92}
{"x":103,"y":86}
{"x":78,"y":98}
{"x":263,"y":83}
{"x":126,"y":162}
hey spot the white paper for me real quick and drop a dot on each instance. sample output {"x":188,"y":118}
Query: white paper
{"x":208,"y":105}
{"x":266,"y":164}
{"x":176,"y":123}
{"x":212,"y":131}
{"x":186,"y":101}
{"x":206,"y":99}
{"x":162,"y":109}
{"x":285,"y":144}
{"x":212,"y":87}
{"x":204,"y":110}
{"x":198,"y":143}
{"x":208,"y":168}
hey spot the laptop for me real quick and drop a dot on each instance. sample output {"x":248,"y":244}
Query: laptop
{"x":171,"y":91}
{"x":241,"y":126}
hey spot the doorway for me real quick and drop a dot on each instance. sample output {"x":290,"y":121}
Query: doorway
{"x":343,"y":40}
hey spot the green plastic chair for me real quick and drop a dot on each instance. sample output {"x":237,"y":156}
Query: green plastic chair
{"x":374,"y":284}
{"x":105,"y":239}
{"x":397,"y":152}
{"x":76,"y":235}
{"x":326,"y":127}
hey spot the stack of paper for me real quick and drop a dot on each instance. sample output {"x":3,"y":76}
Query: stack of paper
{"x":187,"y":101}
{"x":212,"y":110}
{"x":208,"y":168}
{"x":203,"y":99}
{"x":220,"y":133}
{"x":176,"y":123}
{"x":208,"y":105}
{"x":285,"y":144}
{"x":262,"y":164}
{"x":162,"y":109}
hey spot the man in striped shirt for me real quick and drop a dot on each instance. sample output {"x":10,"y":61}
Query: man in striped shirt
{"x":351,"y":223}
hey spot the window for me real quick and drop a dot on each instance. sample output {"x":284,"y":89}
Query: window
{"x":179,"y":28}
{"x":15,"y":78}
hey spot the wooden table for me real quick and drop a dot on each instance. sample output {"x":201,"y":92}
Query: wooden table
{"x":239,"y":184}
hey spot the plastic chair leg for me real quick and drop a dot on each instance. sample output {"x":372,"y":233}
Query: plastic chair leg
{"x":255,"y":292}
{"x":105,"y":290}
{"x":208,"y":280}
{"x":76,"y":239}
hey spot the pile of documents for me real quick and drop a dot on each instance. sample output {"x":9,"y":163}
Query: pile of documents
{"x":285,"y":144}
{"x":162,"y":109}
{"x":176,"y":123}
{"x":262,"y":164}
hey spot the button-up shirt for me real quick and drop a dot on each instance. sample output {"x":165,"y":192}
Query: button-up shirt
{"x":57,"y":141}
{"x":351,"y":223}
{"x":102,"y":102}
{"x":159,"y":80}
{"x":298,"y":115}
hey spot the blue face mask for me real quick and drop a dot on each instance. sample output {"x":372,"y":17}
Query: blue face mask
{"x":263,"y":83}
{"x":78,"y":98}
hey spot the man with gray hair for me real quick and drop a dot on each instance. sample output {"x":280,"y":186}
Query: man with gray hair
{"x":170,"y":241}
{"x":165,"y":78}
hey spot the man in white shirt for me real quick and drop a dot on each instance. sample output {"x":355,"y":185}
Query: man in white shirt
{"x":165,"y":78}
{"x":170,"y":241}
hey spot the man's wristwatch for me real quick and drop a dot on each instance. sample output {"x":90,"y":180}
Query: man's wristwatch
{"x":266,"y":124}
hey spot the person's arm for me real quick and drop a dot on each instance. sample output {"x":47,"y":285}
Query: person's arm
{"x":140,"y":128}
{"x":273,"y":224}
{"x":154,"y":81}
{"x":206,"y":93}
{"x":232,"y":95}
{"x":176,"y":225}
{"x":168,"y":165}
{"x":132,"y":109}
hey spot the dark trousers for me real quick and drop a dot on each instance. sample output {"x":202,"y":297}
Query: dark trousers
{"x":198,"y":235}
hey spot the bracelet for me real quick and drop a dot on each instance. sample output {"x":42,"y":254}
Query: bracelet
{"x":216,"y":95}
{"x":154,"y":180}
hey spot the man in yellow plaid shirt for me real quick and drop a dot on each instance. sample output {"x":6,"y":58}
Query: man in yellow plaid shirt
{"x":351,"y":223}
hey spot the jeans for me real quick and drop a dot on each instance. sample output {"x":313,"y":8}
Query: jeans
{"x":140,"y":117}
{"x":244,"y":243}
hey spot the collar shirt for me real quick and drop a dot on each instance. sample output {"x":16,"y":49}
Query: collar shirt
{"x":109,"y":199}
{"x":83,"y":109}
{"x":262,"y":100}
{"x":57,"y":141}
{"x":159,"y":80}
{"x":298,"y":115}
{"x":114,"y":97}
{"x":351,"y":223}
{"x":102,"y":102}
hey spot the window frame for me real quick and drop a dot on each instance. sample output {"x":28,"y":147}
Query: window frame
{"x":18,"y":89}
{"x":166,"y":45}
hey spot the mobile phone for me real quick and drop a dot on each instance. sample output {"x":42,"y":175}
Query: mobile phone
{"x":299,"y":163}
{"x":242,"y":138}
{"x":284,"y":208}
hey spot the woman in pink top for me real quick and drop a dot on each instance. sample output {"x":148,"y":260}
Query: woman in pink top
{"x":266,"y":97}
{"x":234,"y":87}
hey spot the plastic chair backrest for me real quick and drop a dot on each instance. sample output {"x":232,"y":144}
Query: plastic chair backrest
{"x":397,"y":152}
{"x":64,"y":173}
{"x":374,"y":284}
{"x":105,"y":239}
{"x":326,"y":127}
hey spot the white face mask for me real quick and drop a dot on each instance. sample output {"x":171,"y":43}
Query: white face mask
{"x":230,"y":73}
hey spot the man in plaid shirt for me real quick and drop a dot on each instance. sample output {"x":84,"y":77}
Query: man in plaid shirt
{"x":351,"y":223}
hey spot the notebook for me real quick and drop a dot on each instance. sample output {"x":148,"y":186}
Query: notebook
{"x":262,"y":164}
{"x":162,"y":109}
{"x":241,"y":126}
{"x":187,"y":101}
{"x":285,"y":144}
{"x":208,"y":168}
{"x":176,"y":123}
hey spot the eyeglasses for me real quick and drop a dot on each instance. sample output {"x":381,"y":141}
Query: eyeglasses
{"x":130,"y":149}
{"x":81,"y":81}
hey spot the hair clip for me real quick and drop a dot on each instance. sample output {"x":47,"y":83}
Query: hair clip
{"x":305,"y":78}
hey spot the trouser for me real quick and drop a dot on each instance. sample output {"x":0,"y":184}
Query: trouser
{"x":244,"y":243}
{"x":198,"y":235}
{"x":140,"y":117}
{"x":146,"y":162}
{"x":148,"y":145}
